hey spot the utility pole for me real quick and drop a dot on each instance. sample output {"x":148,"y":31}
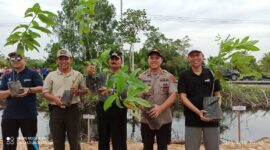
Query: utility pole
{"x":121,"y":16}
{"x":121,"y":9}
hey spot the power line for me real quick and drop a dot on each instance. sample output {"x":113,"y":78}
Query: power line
{"x":209,"y":20}
{"x":181,"y":19}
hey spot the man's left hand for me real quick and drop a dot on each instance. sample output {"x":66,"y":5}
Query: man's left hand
{"x":155,"y":111}
{"x":24,"y":92}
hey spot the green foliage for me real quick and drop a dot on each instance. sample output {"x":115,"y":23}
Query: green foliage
{"x":25,"y":35}
{"x":265,"y":62}
{"x":51,"y":60}
{"x":35,"y":63}
{"x":122,"y":80}
{"x":234,"y":53}
{"x":84,"y":15}
{"x":250,"y":96}
{"x":3,"y":61}
{"x":173,"y":51}
{"x":133,"y":22}
{"x":86,"y":28}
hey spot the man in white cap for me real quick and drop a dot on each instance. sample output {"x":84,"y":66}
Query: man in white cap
{"x":60,"y":86}
{"x":193,"y":85}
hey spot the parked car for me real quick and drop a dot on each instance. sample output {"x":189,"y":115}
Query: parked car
{"x":265,"y":76}
{"x":230,"y":74}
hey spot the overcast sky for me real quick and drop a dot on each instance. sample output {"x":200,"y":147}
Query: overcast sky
{"x":201,"y":20}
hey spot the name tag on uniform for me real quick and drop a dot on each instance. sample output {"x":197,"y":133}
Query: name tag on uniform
{"x":27,"y":80}
{"x":207,"y":80}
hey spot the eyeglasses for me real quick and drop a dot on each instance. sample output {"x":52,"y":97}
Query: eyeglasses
{"x":16,"y":58}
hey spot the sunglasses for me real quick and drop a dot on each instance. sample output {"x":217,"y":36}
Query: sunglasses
{"x":17,"y":58}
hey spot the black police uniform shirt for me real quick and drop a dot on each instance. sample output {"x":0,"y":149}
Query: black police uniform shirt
{"x":197,"y":87}
{"x":21,"y":107}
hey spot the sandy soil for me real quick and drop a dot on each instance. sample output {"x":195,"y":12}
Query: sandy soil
{"x":262,"y":144}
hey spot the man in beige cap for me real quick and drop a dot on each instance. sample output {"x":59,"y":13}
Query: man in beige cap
{"x":63,"y":88}
{"x":157,"y":121}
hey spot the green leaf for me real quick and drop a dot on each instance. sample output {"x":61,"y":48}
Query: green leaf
{"x":118,"y":103}
{"x":34,"y":23}
{"x":50,"y":14}
{"x":130,"y":105}
{"x":20,"y":26}
{"x":11,"y":42}
{"x":36,"y":8}
{"x":28,"y":15}
{"x":139,"y":101}
{"x":20,"y":49}
{"x":105,"y":56}
{"x":45,"y":19}
{"x":28,"y":12}
{"x":15,"y":36}
{"x":31,"y":46}
{"x":42,"y":29}
{"x":110,"y":80}
{"x":134,"y":91}
{"x":245,"y":39}
{"x":33,"y":34}
{"x":135,"y":72}
{"x":108,"y":102}
{"x":34,"y":42}
{"x":120,"y":83}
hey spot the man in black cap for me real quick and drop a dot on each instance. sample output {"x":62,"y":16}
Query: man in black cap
{"x":157,"y":121}
{"x":19,"y":88}
{"x":112,"y":124}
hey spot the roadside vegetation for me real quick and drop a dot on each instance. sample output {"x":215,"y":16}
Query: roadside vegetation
{"x":253,"y":97}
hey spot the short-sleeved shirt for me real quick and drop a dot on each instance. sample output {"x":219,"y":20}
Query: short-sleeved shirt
{"x":21,"y":107}
{"x":162,"y":85}
{"x":56,"y":83}
{"x":197,"y":87}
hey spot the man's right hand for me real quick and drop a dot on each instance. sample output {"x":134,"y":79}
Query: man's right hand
{"x":91,"y":69}
{"x":202,"y":117}
{"x":59,"y":103}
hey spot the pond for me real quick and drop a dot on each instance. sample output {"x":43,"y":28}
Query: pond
{"x":254,"y":125}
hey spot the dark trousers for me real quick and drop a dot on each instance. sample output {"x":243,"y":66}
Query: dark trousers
{"x":62,"y":122}
{"x":112,"y":124}
{"x":10,"y":129}
{"x":163,"y":136}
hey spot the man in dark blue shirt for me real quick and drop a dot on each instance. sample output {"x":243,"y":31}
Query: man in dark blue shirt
{"x":20,"y":111}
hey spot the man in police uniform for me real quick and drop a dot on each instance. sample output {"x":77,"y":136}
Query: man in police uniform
{"x":20,"y":112}
{"x":161,"y":95}
{"x":64,"y":118}
{"x":193,"y":85}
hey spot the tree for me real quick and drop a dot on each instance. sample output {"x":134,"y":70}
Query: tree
{"x":3,"y":61}
{"x":101,"y":34}
{"x":133,"y":22}
{"x":265,"y":62}
{"x":25,"y":35}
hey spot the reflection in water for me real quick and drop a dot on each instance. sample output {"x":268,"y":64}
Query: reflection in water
{"x":254,"y":125}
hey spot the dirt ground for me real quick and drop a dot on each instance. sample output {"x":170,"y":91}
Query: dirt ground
{"x":262,"y":144}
